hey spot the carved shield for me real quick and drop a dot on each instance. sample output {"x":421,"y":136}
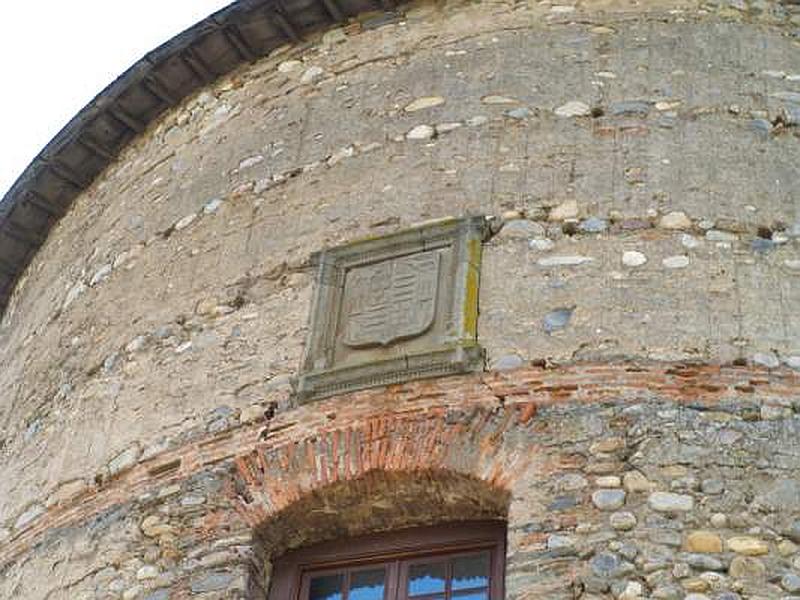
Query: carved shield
{"x":391,"y":300}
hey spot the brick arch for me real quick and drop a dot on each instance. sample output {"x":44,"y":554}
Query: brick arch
{"x":377,"y":501}
{"x":384,"y":471}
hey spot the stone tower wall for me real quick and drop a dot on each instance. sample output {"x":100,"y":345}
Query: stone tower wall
{"x":639,"y":417}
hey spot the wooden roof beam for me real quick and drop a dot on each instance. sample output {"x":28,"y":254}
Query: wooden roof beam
{"x":93,"y":146}
{"x":126,"y":119}
{"x":334,"y":10}
{"x":27,"y":236}
{"x":198,"y":66}
{"x":36,"y":200}
{"x":68,"y":174}
{"x":235,"y":38}
{"x":284,"y":25}
{"x":155,"y":86}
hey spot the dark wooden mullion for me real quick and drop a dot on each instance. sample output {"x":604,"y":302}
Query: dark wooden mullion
{"x":497,"y":560}
{"x":301,"y":593}
{"x":448,"y":579}
{"x":402,"y":580}
{"x":393,"y":582}
{"x":346,"y":587}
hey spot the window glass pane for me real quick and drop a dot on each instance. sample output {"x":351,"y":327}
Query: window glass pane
{"x":326,"y":587}
{"x":367,"y":585}
{"x":471,"y":596}
{"x":426,"y":579}
{"x":471,"y":572}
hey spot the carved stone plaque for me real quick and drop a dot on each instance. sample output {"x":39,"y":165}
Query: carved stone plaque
{"x":390,"y":300}
{"x":395,"y":308}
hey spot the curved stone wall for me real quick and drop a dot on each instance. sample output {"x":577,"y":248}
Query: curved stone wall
{"x":640,"y":164}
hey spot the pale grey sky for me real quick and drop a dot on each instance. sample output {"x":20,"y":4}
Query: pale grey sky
{"x":55,"y":56}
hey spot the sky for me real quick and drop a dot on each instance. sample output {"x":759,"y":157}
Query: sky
{"x":55,"y":56}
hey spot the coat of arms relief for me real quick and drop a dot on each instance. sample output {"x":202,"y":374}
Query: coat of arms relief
{"x":392,"y":300}
{"x":395,"y":308}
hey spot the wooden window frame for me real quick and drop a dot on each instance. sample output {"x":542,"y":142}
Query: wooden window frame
{"x":288,"y":571}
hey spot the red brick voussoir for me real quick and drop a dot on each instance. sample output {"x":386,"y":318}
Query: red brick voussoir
{"x":415,"y":426}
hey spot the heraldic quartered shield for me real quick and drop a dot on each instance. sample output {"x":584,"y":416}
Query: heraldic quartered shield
{"x":391,"y":300}
{"x":395,"y":308}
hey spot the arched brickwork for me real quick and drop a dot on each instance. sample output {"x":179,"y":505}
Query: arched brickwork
{"x":390,"y":471}
{"x":464,"y":441}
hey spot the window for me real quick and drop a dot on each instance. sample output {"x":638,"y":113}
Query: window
{"x":458,"y":561}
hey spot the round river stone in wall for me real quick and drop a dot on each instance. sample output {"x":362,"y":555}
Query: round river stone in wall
{"x":623,"y":521}
{"x":669,"y":502}
{"x":746,"y":567}
{"x":609,"y":499}
{"x":703,"y":541}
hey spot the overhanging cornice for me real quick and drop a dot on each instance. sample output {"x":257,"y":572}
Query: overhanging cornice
{"x":242,"y":32}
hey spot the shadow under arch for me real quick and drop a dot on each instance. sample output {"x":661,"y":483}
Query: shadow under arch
{"x":378,"y":501}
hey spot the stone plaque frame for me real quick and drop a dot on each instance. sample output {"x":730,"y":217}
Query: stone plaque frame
{"x":447,"y":346}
